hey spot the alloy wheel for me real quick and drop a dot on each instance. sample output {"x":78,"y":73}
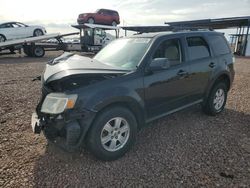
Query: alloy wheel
{"x":219,"y":99}
{"x":115,"y":134}
{"x":38,"y":32}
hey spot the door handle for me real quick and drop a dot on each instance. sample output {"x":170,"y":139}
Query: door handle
{"x":212,"y":65}
{"x":182,"y":73}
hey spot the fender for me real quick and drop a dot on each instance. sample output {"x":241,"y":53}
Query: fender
{"x":121,"y":96}
{"x":211,"y":83}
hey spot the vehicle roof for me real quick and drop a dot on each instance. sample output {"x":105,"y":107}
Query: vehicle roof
{"x":11,"y":23}
{"x":107,"y":9}
{"x":179,"y":33}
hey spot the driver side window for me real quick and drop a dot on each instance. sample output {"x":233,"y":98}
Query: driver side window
{"x":170,"y":49}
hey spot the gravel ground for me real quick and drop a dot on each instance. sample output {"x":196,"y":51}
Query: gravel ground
{"x":186,"y":149}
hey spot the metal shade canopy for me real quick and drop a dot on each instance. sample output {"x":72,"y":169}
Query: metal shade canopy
{"x":219,"y":23}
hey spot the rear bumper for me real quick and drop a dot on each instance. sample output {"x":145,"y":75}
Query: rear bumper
{"x":68,"y":134}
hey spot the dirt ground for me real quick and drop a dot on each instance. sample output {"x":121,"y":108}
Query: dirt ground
{"x":184,"y":149}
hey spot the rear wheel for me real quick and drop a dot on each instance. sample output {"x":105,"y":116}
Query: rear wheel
{"x":12,"y":50}
{"x":27,"y":51}
{"x":2,"y":38}
{"x":38,"y":51}
{"x":216,"y":100}
{"x":112,"y":134}
{"x":38,"y":32}
{"x":114,"y":23}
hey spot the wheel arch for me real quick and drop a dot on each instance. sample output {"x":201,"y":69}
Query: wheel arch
{"x":36,"y":30}
{"x":130,"y":104}
{"x":91,"y":17}
{"x":113,"y":20}
{"x":3,"y":36}
{"x":225,"y":77}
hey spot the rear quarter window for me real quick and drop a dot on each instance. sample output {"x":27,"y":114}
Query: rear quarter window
{"x":219,"y":45}
{"x":197,"y":48}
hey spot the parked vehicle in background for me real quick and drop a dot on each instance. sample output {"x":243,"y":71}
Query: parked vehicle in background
{"x":104,"y":101}
{"x":101,"y":16}
{"x":94,"y":39}
{"x":17,"y":30}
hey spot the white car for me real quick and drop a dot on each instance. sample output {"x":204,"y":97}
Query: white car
{"x":17,"y":30}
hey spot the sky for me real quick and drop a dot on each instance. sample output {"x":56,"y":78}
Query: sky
{"x":57,"y":16}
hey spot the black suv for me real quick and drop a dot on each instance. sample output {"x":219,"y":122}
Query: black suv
{"x":105,"y":100}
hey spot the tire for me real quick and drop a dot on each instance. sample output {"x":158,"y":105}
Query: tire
{"x":114,"y":23}
{"x":2,"y":38}
{"x":216,"y":100}
{"x":91,"y":20}
{"x":12,"y":50}
{"x":38,"y":51}
{"x":28,"y":51}
{"x":38,"y":32}
{"x":104,"y":127}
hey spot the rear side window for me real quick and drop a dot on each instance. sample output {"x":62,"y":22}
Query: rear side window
{"x":219,"y":45}
{"x":197,"y":48}
{"x":6,"y":25}
{"x":114,"y":13}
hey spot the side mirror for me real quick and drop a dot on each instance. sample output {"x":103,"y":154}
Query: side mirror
{"x":159,"y":64}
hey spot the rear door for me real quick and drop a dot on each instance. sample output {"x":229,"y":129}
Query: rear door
{"x":169,"y":89}
{"x":221,"y":49}
{"x":104,"y":18}
{"x":7,"y":30}
{"x":201,"y":62}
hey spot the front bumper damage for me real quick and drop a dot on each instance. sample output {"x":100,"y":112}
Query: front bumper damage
{"x":66,"y":131}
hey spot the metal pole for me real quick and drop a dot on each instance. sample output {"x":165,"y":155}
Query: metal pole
{"x":241,"y":40}
{"x":232,"y":38}
{"x":246,"y":41}
{"x":237,"y":40}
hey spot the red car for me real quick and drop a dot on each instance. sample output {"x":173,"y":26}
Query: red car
{"x":101,"y":16}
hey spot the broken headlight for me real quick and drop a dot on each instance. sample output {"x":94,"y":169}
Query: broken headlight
{"x":56,"y":103}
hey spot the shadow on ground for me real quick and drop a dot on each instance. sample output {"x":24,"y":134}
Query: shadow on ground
{"x":184,"y":149}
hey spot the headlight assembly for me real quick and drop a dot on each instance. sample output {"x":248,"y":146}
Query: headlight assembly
{"x":56,"y":103}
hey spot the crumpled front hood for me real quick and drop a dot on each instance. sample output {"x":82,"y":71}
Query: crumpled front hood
{"x":71,"y":64}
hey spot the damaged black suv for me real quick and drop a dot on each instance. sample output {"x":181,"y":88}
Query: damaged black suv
{"x":105,"y":100}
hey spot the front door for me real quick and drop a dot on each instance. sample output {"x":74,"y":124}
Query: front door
{"x":166,"y":90}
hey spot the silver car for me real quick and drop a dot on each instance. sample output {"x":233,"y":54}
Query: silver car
{"x":17,"y":30}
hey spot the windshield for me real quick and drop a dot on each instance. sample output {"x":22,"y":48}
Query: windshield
{"x":124,"y":53}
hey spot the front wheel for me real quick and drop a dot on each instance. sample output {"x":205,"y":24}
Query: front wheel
{"x":38,"y":51}
{"x":2,"y":38}
{"x":91,"y":20}
{"x":112,"y":134}
{"x":216,"y":100}
{"x":114,"y":23}
{"x":38,"y":32}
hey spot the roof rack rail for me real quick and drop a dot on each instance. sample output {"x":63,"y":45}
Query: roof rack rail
{"x":165,"y":28}
{"x":179,"y":28}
